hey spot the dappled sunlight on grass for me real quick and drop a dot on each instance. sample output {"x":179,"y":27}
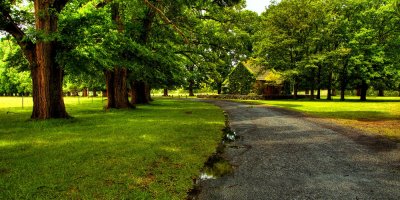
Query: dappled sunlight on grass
{"x":151,"y":152}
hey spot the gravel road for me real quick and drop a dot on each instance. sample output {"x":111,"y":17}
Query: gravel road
{"x":282,"y":155}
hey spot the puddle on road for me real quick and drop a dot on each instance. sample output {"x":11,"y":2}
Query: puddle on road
{"x":216,"y":166}
{"x":229,"y":135}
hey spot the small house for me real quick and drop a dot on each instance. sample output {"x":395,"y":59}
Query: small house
{"x":249,"y":77}
{"x":268,"y":82}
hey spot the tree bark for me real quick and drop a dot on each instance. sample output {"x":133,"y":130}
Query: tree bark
{"x":219,"y":86}
{"x":191,"y":85}
{"x":47,"y":76}
{"x":358,"y":91}
{"x":140,"y":93}
{"x":85,"y":92}
{"x":381,"y":93}
{"x":342,"y":93}
{"x":312,"y":96}
{"x":117,"y":91}
{"x":165,"y":92}
{"x":364,"y":88}
{"x":319,"y":82}
{"x":329,"y":95}
{"x":95,"y":92}
{"x":295,"y":89}
{"x":343,"y":81}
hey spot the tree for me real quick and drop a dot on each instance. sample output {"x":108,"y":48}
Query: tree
{"x":40,"y":51}
{"x":322,"y":43}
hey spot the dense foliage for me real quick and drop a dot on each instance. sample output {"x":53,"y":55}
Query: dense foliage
{"x":346,"y":44}
{"x":129,"y":47}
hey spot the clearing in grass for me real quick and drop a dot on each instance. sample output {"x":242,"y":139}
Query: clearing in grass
{"x":152,"y":152}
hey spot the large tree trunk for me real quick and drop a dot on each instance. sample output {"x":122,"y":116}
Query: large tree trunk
{"x":343,"y":81}
{"x":219,"y":88}
{"x":140,"y":93}
{"x":319,"y":82}
{"x":191,"y":85}
{"x":312,"y":81}
{"x":381,"y":93}
{"x":329,"y":95}
{"x":85,"y":92}
{"x":95,"y":92}
{"x":47,"y":81}
{"x":165,"y":92}
{"x":117,"y":92}
{"x":47,"y":76}
{"x":295,"y":89}
{"x":364,"y":88}
{"x":312,"y":96}
{"x":342,"y":92}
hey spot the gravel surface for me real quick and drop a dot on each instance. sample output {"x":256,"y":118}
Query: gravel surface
{"x":283,"y":155}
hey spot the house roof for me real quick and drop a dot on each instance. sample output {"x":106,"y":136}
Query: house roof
{"x":260,"y":72}
{"x":263,"y":74}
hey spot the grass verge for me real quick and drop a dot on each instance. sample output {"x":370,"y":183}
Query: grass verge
{"x":377,"y":116}
{"x":152,"y":152}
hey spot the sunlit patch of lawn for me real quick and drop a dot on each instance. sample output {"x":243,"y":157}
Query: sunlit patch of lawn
{"x":378,"y":115}
{"x":152,"y":152}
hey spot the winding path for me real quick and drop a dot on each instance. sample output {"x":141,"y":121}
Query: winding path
{"x":281,"y":155}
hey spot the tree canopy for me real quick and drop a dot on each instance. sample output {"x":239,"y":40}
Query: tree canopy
{"x":129,"y":47}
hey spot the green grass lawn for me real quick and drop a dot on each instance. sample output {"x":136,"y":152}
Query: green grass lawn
{"x":152,"y":152}
{"x":378,"y":115}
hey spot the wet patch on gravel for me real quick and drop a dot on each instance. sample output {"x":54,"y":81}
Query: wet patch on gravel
{"x":217,"y":164}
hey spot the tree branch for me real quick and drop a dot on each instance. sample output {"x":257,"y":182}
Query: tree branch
{"x":7,"y":24}
{"x":186,"y":55}
{"x":165,"y":19}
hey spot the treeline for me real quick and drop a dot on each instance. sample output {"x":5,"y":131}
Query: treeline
{"x":128,"y":46}
{"x":335,"y":44}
